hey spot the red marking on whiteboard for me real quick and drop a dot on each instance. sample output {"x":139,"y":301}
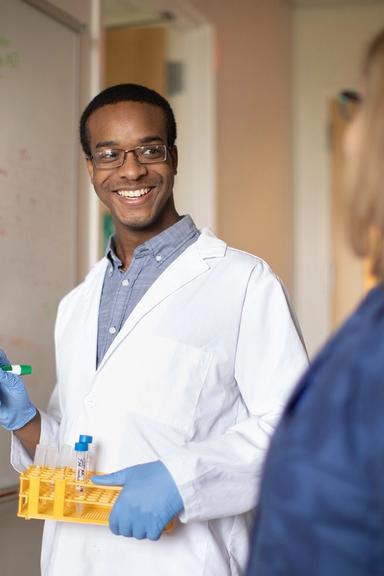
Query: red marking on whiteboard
{"x":16,"y":342}
{"x":3,"y":232}
{"x":3,"y":172}
{"x":24,"y":154}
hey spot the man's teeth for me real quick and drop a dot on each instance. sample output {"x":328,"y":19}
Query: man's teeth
{"x":133,"y":193}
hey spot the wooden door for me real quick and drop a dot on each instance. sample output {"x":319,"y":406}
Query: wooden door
{"x":135,"y":55}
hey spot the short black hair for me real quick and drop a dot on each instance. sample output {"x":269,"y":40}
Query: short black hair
{"x":127,"y":93}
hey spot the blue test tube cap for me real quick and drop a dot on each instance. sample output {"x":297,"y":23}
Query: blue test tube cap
{"x":85,"y":438}
{"x":81,"y":447}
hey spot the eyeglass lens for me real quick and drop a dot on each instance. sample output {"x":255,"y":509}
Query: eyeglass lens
{"x":115,"y":157}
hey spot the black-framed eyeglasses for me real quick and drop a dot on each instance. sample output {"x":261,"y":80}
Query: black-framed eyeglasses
{"x":347,"y":98}
{"x":115,"y":157}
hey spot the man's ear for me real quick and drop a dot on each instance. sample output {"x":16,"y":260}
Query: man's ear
{"x":174,"y":158}
{"x":90,"y":168}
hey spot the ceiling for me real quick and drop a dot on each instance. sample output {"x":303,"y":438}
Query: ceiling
{"x":121,"y":12}
{"x":146,"y":12}
{"x":181,"y":12}
{"x":332,"y":2}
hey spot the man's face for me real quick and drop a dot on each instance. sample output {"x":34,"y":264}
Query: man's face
{"x":139,"y":196}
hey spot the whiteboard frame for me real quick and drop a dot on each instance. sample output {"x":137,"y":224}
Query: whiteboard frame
{"x":57,"y":14}
{"x":89,"y":85}
{"x":10,"y":492}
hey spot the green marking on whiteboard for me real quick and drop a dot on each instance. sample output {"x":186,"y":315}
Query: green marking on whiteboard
{"x":108,"y":228}
{"x":9,"y":60}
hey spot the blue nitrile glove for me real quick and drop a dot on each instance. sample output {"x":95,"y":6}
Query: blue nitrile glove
{"x":148,"y":501}
{"x":16,"y":409}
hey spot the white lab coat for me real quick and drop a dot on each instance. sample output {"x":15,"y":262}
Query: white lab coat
{"x":197,"y":377}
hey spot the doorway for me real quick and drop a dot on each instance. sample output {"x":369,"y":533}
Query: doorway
{"x":172,"y":53}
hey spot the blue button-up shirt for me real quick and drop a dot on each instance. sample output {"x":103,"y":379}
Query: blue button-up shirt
{"x":123,"y":289}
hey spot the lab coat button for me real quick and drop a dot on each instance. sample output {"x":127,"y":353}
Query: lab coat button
{"x":158,"y":258}
{"x":125,"y":282}
{"x":90,"y":401}
{"x":112,"y":330}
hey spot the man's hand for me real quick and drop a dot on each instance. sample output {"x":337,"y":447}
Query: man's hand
{"x":148,"y":501}
{"x":16,"y":409}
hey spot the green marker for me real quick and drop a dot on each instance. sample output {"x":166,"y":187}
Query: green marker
{"x":19,"y":369}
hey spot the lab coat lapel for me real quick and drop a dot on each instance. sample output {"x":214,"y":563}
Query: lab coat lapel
{"x":88,"y":317}
{"x":188,"y":266}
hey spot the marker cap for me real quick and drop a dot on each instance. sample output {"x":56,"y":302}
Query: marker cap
{"x":26,"y":369}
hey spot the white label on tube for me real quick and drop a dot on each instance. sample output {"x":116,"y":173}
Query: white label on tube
{"x":81,"y":467}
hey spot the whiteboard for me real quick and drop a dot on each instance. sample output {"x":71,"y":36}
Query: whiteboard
{"x":39,"y":112}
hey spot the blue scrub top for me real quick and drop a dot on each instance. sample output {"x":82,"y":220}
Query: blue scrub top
{"x":321,"y":509}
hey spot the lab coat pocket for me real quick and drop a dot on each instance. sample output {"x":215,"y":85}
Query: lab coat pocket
{"x":163,"y":380}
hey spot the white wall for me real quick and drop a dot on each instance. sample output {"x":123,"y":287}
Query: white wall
{"x":327,"y":50}
{"x":252,"y":45}
{"x":195,"y":108}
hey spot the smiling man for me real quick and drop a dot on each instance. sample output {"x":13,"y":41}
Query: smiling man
{"x":176,"y":354}
{"x":132,"y":162}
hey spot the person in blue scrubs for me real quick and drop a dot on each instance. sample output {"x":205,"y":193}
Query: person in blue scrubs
{"x":321,"y":507}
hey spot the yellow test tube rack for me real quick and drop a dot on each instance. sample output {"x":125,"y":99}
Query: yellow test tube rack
{"x":53,"y":494}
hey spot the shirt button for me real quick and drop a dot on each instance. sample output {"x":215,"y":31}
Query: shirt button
{"x":158,"y":258}
{"x":112,"y":330}
{"x":125,"y":282}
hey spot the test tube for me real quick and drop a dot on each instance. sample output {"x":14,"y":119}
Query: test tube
{"x":81,"y":457}
{"x":39,"y":459}
{"x":51,"y":456}
{"x":50,"y":467}
{"x":88,"y":440}
{"x":65,"y":460}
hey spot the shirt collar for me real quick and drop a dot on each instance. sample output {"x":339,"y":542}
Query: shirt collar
{"x":161,"y":246}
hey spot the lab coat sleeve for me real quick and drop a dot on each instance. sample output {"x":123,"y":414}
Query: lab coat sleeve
{"x":219,"y":477}
{"x":20,"y":458}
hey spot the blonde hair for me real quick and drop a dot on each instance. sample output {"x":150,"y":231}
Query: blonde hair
{"x":366,"y":188}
